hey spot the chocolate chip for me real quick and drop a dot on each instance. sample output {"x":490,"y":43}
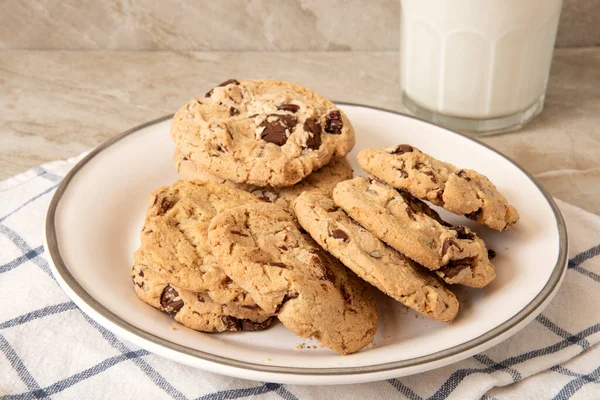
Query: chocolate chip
{"x":293,"y":108}
{"x":233,"y":111}
{"x":140,"y":285}
{"x":403,"y":148}
{"x":462,"y":233}
{"x":251,"y":326}
{"x":231,"y":323}
{"x":474,"y":215}
{"x":446,"y":245}
{"x":275,"y":127}
{"x":239,"y":324}
{"x":321,"y":260}
{"x":339,"y":234}
{"x":463,"y":261}
{"x":165,"y":204}
{"x":312,"y":126}
{"x":286,"y":298}
{"x":278,"y":264}
{"x":403,"y":173}
{"x":141,"y":274}
{"x":239,"y":233}
{"x":463,"y":174}
{"x":432,"y":175}
{"x":227,"y":82}
{"x":314,"y":129}
{"x":170,"y":300}
{"x":200,"y":298}
{"x":334,"y":123}
{"x":491,"y":254}
{"x":451,"y":272}
{"x":455,"y":266}
{"x":289,"y":121}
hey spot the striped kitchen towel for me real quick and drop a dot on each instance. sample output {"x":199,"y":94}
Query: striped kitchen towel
{"x":49,"y":348}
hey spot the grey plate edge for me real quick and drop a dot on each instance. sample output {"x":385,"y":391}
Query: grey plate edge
{"x":60,"y":268}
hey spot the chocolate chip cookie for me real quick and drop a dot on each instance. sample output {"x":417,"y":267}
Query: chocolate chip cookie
{"x":262,"y":132}
{"x":460,"y":191}
{"x":322,"y":180}
{"x":194,"y":310}
{"x":174,"y":237}
{"x":261,"y":248}
{"x":373,"y":261}
{"x":414,"y":229}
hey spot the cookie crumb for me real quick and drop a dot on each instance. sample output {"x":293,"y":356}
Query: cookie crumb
{"x":268,"y":359}
{"x":173,"y":328}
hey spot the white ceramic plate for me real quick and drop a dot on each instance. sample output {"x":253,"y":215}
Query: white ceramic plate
{"x":93,"y":225}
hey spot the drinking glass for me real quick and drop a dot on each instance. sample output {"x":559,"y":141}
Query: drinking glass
{"x":478,"y":66}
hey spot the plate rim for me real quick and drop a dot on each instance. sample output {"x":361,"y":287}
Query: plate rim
{"x":63,"y":275}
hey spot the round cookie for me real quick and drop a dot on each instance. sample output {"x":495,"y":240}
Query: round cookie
{"x":174,"y":237}
{"x":415,"y":230}
{"x":262,"y":249}
{"x":321,"y":181}
{"x":373,"y":261}
{"x":460,"y":191}
{"x":194,"y":310}
{"x":262,"y":132}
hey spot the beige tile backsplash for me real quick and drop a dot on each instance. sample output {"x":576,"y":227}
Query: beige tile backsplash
{"x":232,"y":24}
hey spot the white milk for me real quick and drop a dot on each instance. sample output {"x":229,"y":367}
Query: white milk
{"x":477,"y":58}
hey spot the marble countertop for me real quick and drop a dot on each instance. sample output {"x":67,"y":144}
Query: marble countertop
{"x":56,"y":104}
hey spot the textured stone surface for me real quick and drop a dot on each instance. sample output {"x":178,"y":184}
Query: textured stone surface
{"x":232,"y":24}
{"x":58,"y":104}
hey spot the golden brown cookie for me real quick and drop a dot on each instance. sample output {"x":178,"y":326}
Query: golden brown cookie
{"x":194,"y":310}
{"x":262,"y":132}
{"x":407,"y":224}
{"x":174,"y":237}
{"x":460,"y":191}
{"x":261,"y":248}
{"x":373,"y":261}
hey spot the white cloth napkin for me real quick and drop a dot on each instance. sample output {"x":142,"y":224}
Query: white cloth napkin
{"x":49,"y":348}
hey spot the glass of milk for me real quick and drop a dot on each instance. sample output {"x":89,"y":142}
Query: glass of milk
{"x":478,"y":66}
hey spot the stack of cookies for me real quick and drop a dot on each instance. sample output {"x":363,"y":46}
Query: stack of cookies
{"x":270,"y":223}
